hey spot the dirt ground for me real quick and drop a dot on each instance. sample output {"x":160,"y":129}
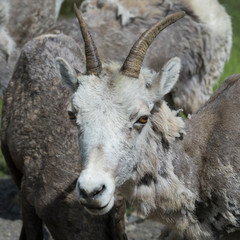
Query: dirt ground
{"x":10,"y":217}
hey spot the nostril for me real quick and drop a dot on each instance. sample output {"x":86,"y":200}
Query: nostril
{"x":88,"y":194}
{"x":83,"y":193}
{"x":98,"y":191}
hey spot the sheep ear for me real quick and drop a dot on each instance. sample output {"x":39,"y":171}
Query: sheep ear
{"x":68,"y":74}
{"x":165,"y":79}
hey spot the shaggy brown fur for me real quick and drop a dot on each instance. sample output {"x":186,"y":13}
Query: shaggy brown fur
{"x":196,"y":189}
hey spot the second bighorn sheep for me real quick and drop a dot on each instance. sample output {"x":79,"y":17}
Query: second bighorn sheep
{"x":184,"y":174}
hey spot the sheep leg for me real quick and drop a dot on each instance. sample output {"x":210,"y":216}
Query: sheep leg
{"x":32,"y":224}
{"x":118,"y":224}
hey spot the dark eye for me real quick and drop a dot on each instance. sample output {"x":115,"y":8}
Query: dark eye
{"x":71,"y":115}
{"x":142,"y":120}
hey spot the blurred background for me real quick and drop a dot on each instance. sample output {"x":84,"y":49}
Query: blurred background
{"x":232,"y":67}
{"x":233,"y":9}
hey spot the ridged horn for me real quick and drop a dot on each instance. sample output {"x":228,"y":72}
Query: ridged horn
{"x":93,"y":63}
{"x":132,"y":65}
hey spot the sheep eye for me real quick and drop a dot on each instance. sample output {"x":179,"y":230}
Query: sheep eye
{"x":142,"y":120}
{"x":71,"y":115}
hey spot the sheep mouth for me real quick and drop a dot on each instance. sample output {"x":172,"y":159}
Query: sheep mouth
{"x":94,"y":208}
{"x":97,"y":210}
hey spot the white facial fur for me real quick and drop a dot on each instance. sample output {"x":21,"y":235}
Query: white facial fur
{"x":111,"y":139}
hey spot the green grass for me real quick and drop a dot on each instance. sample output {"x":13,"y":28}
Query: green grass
{"x":233,"y":65}
{"x":67,"y":8}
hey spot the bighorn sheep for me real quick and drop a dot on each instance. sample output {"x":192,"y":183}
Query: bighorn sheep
{"x":40,"y":148}
{"x":202,"y":40}
{"x":185,"y":174}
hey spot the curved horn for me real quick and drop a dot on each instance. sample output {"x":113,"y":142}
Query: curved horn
{"x":132,"y":65}
{"x":93,"y":63}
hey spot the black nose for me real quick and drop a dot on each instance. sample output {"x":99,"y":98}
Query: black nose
{"x":90,"y":194}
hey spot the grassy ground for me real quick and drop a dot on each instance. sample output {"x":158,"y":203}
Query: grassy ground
{"x":232,"y":67}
